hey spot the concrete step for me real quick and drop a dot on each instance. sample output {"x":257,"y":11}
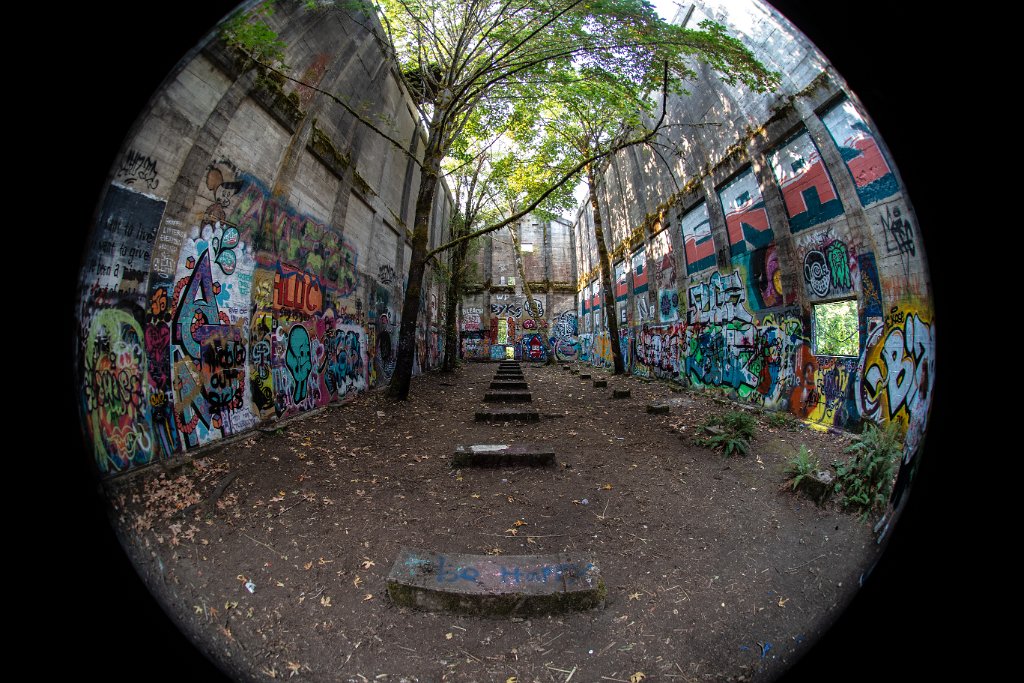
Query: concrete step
{"x":585,"y":375}
{"x":601,"y":383}
{"x":508,"y":365}
{"x":498,"y":384}
{"x":658,"y":408}
{"x":509,"y":377}
{"x":621,"y":393}
{"x":508,"y":415}
{"x":504,"y":455}
{"x":495,"y":585}
{"x":519,"y":396}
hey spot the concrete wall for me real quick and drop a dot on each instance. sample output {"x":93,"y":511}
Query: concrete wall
{"x":773,"y":204}
{"x":248,"y":260}
{"x":495,"y":321}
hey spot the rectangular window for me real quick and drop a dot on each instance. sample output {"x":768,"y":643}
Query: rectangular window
{"x":698,"y":244}
{"x":746,"y":219}
{"x":807,"y":189}
{"x":864,"y":159}
{"x":835,"y":329}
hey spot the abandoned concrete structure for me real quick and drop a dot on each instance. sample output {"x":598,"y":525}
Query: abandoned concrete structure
{"x":250,"y":251}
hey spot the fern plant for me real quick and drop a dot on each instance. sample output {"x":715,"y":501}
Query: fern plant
{"x":866,"y":479}
{"x":731,"y":433}
{"x":801,"y":466}
{"x":781,"y":420}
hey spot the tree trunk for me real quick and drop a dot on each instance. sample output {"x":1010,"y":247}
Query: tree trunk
{"x":429,"y":174}
{"x":611,"y":314}
{"x":451,"y":326}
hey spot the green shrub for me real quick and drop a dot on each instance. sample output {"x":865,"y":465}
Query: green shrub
{"x":730,"y":433}
{"x":866,"y":480}
{"x":781,"y":420}
{"x":801,"y":466}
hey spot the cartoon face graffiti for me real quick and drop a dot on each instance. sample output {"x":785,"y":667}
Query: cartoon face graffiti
{"x":817,"y":274}
{"x":298,"y":360}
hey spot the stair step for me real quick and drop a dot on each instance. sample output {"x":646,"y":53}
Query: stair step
{"x":503,"y":455}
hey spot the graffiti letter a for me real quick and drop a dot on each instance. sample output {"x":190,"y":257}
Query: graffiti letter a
{"x":197,"y":300}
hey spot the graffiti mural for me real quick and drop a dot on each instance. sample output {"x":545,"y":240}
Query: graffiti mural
{"x":114,"y":395}
{"x":864,"y":159}
{"x":533,"y":348}
{"x":829,"y":266}
{"x":295,"y":238}
{"x":657,"y":350}
{"x":898,"y":373}
{"x":823,"y":389}
{"x":665,"y":277}
{"x":698,"y":244}
{"x":807,"y":189}
{"x":746,"y":220}
{"x":765,"y":281}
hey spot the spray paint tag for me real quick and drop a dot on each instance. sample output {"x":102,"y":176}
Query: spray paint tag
{"x":250,"y":586}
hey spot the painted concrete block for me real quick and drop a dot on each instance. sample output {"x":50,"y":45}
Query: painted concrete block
{"x":503,"y":455}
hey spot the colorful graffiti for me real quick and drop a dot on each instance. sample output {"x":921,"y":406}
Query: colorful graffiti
{"x":765,"y":280}
{"x":665,"y":277}
{"x":657,"y":351}
{"x":898,"y":232}
{"x":898,"y":373}
{"x":698,"y":244}
{"x":871,"y":173}
{"x":746,"y":220}
{"x":807,"y":189}
{"x":114,"y":396}
{"x":829,"y":266}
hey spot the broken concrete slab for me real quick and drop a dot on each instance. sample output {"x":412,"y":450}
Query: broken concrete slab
{"x":515,"y":396}
{"x":585,"y":375}
{"x":659,"y":408}
{"x":495,"y":585}
{"x":504,"y":455}
{"x":499,"y":384}
{"x":601,"y":383}
{"x":621,"y":393}
{"x":508,"y":415}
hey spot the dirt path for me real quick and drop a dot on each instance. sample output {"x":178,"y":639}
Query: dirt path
{"x":713,"y":571}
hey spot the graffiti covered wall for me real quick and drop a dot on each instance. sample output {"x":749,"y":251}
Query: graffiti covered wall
{"x":218,"y":292}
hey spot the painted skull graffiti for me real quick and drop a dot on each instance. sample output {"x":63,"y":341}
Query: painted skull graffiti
{"x":817,"y":274}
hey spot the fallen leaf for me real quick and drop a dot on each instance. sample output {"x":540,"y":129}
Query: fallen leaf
{"x":308,"y":565}
{"x":783,"y":601}
{"x":369,"y":596}
{"x":367,"y":563}
{"x":519,"y":522}
{"x":325,"y":601}
{"x":474,"y":495}
{"x":448,"y":636}
{"x":637,"y":677}
{"x":293,"y":667}
{"x":606,"y":487}
{"x":634,"y":596}
{"x":357,"y":582}
{"x":511,"y":679}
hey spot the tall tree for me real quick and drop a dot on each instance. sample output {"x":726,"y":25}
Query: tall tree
{"x":489,"y":62}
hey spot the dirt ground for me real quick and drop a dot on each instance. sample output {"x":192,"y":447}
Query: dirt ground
{"x":715,"y":571}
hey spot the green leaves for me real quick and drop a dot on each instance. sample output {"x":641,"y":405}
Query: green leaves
{"x":250,"y":33}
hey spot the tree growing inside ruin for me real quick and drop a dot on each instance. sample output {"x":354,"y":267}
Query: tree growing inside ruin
{"x":487,"y":64}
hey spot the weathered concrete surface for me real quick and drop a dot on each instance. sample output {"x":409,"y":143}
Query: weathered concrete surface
{"x":498,"y":384}
{"x":508,"y":397}
{"x":620,"y":393}
{"x":585,"y":375}
{"x":495,"y":585}
{"x":658,"y":408}
{"x":510,"y":376}
{"x":503,"y":455}
{"x":601,"y":383}
{"x":508,"y":415}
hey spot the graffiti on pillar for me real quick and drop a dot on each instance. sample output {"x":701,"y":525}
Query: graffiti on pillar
{"x":343,"y":363}
{"x":807,"y":189}
{"x":869,"y":168}
{"x":665,"y":277}
{"x":829,"y":265}
{"x":765,"y":280}
{"x":534,"y":348}
{"x":698,"y":244}
{"x":898,"y":231}
{"x":158,"y":357}
{"x":898,"y":373}
{"x":746,"y":220}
